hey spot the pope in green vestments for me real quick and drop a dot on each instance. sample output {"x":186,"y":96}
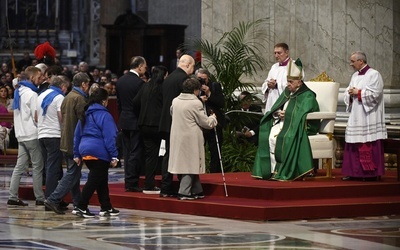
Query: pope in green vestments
{"x":292,"y":155}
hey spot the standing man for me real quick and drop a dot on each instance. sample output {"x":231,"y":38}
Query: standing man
{"x":213,"y":99}
{"x":363,"y":152}
{"x":127,"y":88}
{"x":175,"y":62}
{"x":284,"y":151}
{"x":49,"y":130}
{"x":276,"y":81}
{"x":172,"y":87}
{"x":26,"y":132}
{"x":72,"y":108}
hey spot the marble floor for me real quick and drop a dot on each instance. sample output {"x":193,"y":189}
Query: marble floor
{"x":33,"y":228}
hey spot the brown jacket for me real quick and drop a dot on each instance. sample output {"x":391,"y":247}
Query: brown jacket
{"x":72,"y":109}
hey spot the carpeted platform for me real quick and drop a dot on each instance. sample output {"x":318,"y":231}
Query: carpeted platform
{"x":251,"y":199}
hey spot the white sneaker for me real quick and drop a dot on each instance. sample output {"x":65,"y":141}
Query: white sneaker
{"x":75,"y":210}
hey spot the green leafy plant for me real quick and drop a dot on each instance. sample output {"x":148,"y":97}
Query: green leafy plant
{"x":236,"y":55}
{"x":232,"y":61}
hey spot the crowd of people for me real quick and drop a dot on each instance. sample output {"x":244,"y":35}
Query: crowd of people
{"x":166,"y":118}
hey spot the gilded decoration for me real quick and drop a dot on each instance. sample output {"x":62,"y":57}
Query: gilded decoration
{"x":323,"y":77}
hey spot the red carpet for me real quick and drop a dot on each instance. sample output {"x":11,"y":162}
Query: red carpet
{"x":250,"y":199}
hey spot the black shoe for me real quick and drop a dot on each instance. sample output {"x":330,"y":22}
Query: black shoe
{"x":165,"y":195}
{"x":185,"y":197}
{"x":375,"y":178}
{"x":54,"y":207}
{"x":154,"y":190}
{"x":347,"y":178}
{"x":39,"y":203}
{"x":199,"y":195}
{"x":17,"y":203}
{"x":63,"y":204}
{"x":85,"y":213}
{"x":134,"y":189}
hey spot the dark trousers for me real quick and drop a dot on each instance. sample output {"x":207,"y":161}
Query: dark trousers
{"x":166,"y":181}
{"x":209,"y":137}
{"x":132,"y":157}
{"x":97,"y":181}
{"x":52,"y":157}
{"x":151,"y":141}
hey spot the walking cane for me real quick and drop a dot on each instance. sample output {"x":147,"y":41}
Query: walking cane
{"x":220,"y":161}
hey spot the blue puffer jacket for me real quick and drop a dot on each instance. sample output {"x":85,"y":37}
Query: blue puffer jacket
{"x":98,"y":137}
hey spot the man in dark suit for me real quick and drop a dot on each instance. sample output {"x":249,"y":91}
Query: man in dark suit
{"x":214,"y":102}
{"x":127,"y":88}
{"x":174,"y":62}
{"x":171,"y":88}
{"x":250,"y":131}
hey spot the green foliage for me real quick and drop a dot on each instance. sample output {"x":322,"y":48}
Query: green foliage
{"x":238,"y":155}
{"x":235,"y":55}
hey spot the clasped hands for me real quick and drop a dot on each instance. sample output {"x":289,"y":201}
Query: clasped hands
{"x":353,"y":91}
{"x":271,"y":83}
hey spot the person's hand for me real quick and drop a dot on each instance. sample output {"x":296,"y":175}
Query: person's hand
{"x":353,"y":91}
{"x":281,"y":114}
{"x":205,"y":89}
{"x":248,"y":134}
{"x":114,"y":162}
{"x":203,"y":98}
{"x":78,"y":161}
{"x":272,"y":83}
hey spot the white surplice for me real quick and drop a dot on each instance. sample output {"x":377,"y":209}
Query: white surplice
{"x":367,"y":118}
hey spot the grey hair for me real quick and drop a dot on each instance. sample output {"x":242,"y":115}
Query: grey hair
{"x":360,"y":56}
{"x":79,"y":78}
{"x":203,"y":71}
{"x":190,"y":85}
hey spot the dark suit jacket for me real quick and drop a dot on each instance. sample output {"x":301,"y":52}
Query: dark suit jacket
{"x":149,"y":99}
{"x":127,"y":88}
{"x":171,"y":88}
{"x":172,"y":65}
{"x":216,"y":102}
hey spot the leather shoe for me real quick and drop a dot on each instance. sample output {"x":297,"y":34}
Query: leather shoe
{"x":165,"y":195}
{"x":16,"y":203}
{"x":347,"y":178}
{"x":53,"y":207}
{"x":39,"y":203}
{"x":375,"y":178}
{"x":63,"y":204}
{"x":134,"y":189}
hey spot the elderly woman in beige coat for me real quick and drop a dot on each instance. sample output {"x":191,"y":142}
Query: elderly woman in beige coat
{"x":187,"y":157}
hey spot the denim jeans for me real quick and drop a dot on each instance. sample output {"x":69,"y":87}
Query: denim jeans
{"x":52,"y":156}
{"x":70,"y":182}
{"x":28,"y":150}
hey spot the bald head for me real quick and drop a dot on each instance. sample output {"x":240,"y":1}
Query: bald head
{"x":186,"y":63}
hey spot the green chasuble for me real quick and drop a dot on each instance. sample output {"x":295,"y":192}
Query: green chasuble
{"x":293,"y":151}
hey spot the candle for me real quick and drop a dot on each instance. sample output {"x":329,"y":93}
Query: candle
{"x":47,"y":7}
{"x":16,"y":7}
{"x":37,"y":7}
{"x":6,"y":8}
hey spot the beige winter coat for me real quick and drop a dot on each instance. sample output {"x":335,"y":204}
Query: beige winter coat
{"x":186,"y":155}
